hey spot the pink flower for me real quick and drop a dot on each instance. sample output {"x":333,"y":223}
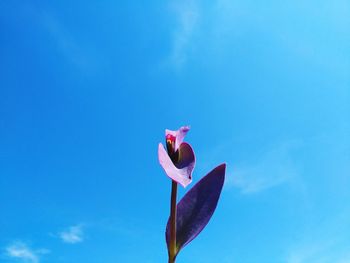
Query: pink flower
{"x":179,"y":160}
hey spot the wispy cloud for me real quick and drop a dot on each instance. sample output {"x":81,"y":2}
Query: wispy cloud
{"x":23,"y":252}
{"x":83,"y":55}
{"x":187,"y":16}
{"x":72,"y":235}
{"x":65,"y":42}
{"x":274,"y":167}
{"x":326,"y":242}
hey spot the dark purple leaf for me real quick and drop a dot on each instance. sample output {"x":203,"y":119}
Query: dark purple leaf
{"x":197,"y":207}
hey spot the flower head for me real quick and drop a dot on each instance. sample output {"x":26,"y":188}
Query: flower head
{"x":178,"y":160}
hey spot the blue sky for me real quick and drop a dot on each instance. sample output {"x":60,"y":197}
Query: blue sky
{"x":87,"y":89}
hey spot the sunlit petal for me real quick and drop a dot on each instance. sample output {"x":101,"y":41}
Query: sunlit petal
{"x":182,"y":175}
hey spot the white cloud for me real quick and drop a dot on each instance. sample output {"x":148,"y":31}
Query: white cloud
{"x":274,"y":167}
{"x":187,"y":15}
{"x":72,"y":235}
{"x":23,"y":252}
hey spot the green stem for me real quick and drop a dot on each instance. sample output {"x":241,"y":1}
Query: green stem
{"x":172,"y":244}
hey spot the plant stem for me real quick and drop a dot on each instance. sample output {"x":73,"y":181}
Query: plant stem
{"x":172,"y":244}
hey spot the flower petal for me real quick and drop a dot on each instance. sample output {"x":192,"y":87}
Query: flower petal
{"x":181,"y":175}
{"x":179,"y":135}
{"x":186,"y":157}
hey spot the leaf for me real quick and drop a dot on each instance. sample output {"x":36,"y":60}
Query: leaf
{"x":197,"y":207}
